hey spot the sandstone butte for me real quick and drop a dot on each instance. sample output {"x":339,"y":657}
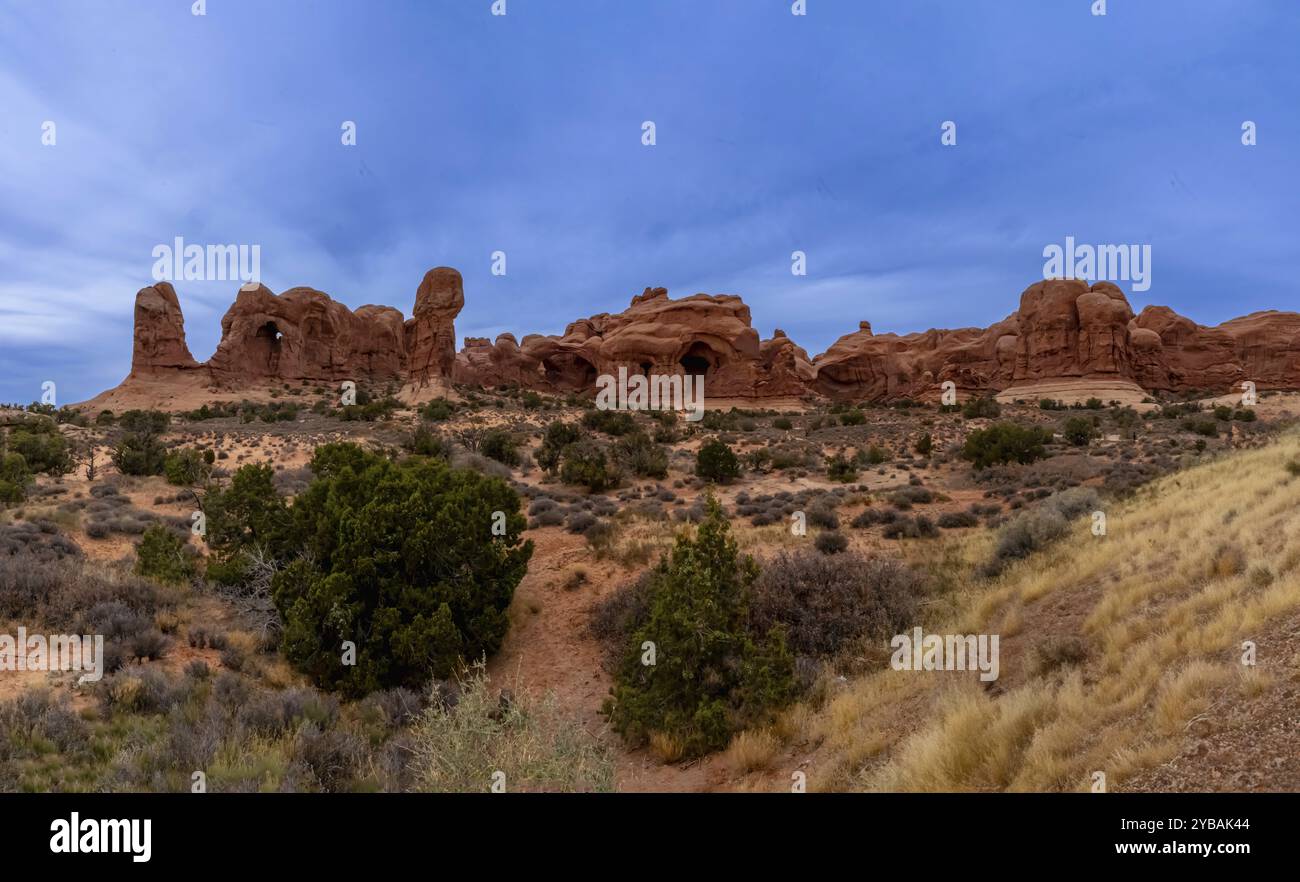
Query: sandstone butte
{"x":1068,"y":339}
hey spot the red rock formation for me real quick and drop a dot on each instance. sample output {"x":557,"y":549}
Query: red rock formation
{"x":703,"y":334}
{"x":430,"y":332}
{"x":159,"y":345}
{"x":882,"y":367}
{"x":302,"y":334}
{"x":786,"y":368}
{"x":483,"y":363}
{"x":1065,"y":331}
{"x":1267,"y":346}
{"x":1191,"y":356}
{"x":1068,"y":329}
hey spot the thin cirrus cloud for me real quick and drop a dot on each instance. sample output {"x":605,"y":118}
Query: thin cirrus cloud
{"x":522,"y":134}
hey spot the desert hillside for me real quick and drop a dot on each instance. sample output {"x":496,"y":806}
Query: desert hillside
{"x":302,"y":594}
{"x":1121,"y":654}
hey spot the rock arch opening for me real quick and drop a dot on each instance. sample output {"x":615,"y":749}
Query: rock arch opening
{"x":698,"y":360}
{"x":266,"y":346}
{"x":569,"y":373}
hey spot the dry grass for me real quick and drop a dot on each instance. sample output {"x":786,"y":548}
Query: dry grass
{"x":667,"y":748}
{"x":1167,"y":598}
{"x":752,"y":751}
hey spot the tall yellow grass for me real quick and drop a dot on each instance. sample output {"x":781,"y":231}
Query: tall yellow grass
{"x":1192,"y":566}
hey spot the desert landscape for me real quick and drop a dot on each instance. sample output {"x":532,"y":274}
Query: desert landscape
{"x":342,"y":555}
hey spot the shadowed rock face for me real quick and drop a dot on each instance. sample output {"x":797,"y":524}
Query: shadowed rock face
{"x":1063,"y":330}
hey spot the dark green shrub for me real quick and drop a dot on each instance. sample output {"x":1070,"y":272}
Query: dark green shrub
{"x":585,"y":463}
{"x":611,"y":422}
{"x":1004,"y":443}
{"x":161,"y":555}
{"x":715,"y":461}
{"x":925,"y":444}
{"x":500,"y":445}
{"x":403,"y":560}
{"x":437,"y":410}
{"x":425,"y":443}
{"x":981,"y":407}
{"x":853,"y":418}
{"x":1078,"y":431}
{"x":369,"y":411}
{"x":249,"y":512}
{"x":43,"y":448}
{"x":782,"y":423}
{"x":874,"y":455}
{"x":1208,"y":428}
{"x":145,"y":422}
{"x":838,"y":468}
{"x":233,"y":571}
{"x":642,"y":456}
{"x":710,"y":676}
{"x":558,"y":436}
{"x":185,"y":468}
{"x":14,"y":478}
{"x":139,"y":454}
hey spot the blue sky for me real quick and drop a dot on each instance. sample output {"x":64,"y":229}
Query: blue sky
{"x":522,"y":134}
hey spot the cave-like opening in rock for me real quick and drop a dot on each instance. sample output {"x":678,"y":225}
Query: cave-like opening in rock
{"x":698,"y":360}
{"x":569,"y":373}
{"x":266,"y":344}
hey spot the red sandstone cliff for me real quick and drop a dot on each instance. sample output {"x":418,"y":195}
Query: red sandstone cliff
{"x":1063,"y":330}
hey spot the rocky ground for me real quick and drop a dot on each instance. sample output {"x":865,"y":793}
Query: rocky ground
{"x":925,"y":498}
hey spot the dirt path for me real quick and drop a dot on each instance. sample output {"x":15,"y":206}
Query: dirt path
{"x":549,"y":648}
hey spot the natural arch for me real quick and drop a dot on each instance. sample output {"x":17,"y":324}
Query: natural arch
{"x":266,"y":346}
{"x":698,"y":359}
{"x":569,"y":373}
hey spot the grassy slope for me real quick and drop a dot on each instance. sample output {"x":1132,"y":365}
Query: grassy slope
{"x":1191,"y":567}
